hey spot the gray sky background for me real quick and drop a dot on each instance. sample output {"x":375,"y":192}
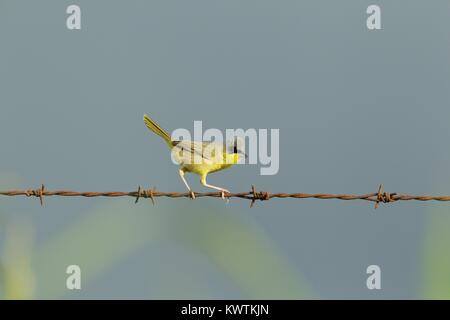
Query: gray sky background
{"x":355,"y":108}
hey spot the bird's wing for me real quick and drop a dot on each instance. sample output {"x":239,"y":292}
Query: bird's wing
{"x":209,"y":152}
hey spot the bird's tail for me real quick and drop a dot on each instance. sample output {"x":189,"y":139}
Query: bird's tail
{"x":153,"y":126}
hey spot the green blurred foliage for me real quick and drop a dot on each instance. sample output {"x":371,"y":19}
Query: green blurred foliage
{"x":436,"y":255}
{"x":105,"y":236}
{"x":17,"y":274}
{"x":233,"y":243}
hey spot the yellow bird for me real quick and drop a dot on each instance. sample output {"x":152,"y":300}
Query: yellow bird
{"x":200,"y":158}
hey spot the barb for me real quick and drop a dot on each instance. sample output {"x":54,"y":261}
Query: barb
{"x":377,"y":197}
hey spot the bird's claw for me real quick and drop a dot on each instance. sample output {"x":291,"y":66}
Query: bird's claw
{"x":192,"y":195}
{"x":227,"y":199}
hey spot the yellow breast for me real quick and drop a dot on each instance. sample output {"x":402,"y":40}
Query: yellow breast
{"x":211,"y":166}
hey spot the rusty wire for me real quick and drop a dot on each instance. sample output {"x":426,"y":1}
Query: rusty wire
{"x":378,"y":197}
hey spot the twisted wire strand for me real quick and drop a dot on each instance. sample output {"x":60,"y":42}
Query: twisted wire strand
{"x":378,"y":197}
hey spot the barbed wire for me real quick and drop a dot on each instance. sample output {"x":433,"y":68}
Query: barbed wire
{"x":378,"y":197}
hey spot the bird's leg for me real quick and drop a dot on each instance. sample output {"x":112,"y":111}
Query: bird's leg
{"x":181,"y":172}
{"x":203,"y":182}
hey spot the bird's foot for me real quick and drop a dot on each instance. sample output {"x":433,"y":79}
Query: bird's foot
{"x":227,"y":199}
{"x":192,"y":195}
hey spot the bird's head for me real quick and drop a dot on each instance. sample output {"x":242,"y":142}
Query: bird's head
{"x":238,"y":147}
